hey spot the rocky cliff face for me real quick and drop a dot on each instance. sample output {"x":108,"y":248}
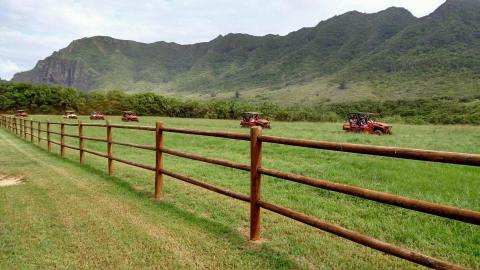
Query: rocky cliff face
{"x":58,"y":70}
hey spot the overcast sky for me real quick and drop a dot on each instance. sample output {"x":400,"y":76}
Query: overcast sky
{"x":31,"y":30}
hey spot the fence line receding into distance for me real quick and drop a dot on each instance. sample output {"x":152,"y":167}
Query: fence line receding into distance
{"x":23,"y":127}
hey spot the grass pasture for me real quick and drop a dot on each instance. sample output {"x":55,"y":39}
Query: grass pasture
{"x":67,"y":215}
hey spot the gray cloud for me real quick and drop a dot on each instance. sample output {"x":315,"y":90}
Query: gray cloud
{"x":30,"y":30}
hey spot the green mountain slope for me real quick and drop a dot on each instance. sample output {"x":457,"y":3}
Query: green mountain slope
{"x":385,"y":55}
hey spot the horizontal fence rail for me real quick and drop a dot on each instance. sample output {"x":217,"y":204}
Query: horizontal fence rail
{"x":412,"y":204}
{"x":23,"y":127}
{"x":406,"y":153}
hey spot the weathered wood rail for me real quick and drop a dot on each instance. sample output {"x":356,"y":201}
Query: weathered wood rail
{"x":23,"y":127}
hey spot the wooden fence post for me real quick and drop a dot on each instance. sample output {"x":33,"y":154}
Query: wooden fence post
{"x":31,"y":130}
{"x":255,"y":182}
{"x":62,"y":139}
{"x":109,"y":148}
{"x":49,"y":144}
{"x":159,"y":160}
{"x":39,"y":132}
{"x":80,"y":141}
{"x":25,"y":129}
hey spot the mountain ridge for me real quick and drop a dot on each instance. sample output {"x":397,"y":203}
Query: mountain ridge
{"x":353,"y":47}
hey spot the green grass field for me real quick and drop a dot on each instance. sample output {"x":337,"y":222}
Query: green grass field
{"x":70,"y":216}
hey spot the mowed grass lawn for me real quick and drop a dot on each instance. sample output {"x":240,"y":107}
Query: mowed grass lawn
{"x":69,"y":216}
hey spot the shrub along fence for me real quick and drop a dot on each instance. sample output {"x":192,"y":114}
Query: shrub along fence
{"x":27,"y":130}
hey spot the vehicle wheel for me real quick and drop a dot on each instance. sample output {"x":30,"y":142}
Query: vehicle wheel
{"x":378,"y":132}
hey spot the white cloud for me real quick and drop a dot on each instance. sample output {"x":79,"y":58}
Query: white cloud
{"x":8,"y":68}
{"x":31,"y":30}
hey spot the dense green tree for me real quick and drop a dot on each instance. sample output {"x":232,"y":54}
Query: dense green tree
{"x":55,"y":99}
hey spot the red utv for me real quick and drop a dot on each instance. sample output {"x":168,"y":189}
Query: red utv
{"x":21,"y":113}
{"x":363,"y":122}
{"x":128,"y":116}
{"x":97,"y":116}
{"x":251,"y":119}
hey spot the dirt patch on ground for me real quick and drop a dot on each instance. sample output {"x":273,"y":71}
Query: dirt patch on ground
{"x":10,"y":180}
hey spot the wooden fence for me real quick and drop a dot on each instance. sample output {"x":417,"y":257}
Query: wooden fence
{"x":23,"y":127}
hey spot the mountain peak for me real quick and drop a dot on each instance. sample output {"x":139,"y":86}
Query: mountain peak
{"x":462,"y":8}
{"x":395,"y":11}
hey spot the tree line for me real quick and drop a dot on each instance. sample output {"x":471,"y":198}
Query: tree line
{"x":54,"y":99}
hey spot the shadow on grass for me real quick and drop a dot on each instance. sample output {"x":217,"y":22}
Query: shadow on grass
{"x":268,"y":256}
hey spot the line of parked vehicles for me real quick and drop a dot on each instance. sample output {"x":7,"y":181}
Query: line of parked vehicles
{"x":127,"y":116}
{"x":357,"y":121}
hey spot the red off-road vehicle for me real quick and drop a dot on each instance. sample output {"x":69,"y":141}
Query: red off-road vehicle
{"x":97,"y":116}
{"x":129,"y":116}
{"x":251,"y":119}
{"x":21,"y":113}
{"x":364,"y":122}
